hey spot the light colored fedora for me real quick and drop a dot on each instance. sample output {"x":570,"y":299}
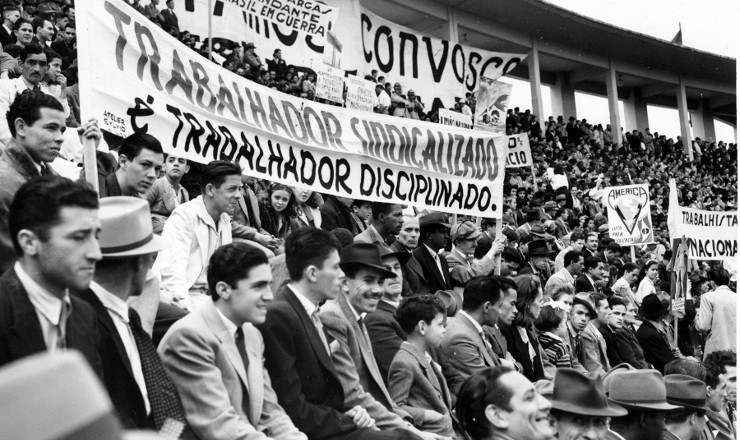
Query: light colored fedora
{"x":639,"y":390}
{"x":127,"y":228}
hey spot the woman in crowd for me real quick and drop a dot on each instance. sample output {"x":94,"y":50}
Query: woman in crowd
{"x":278,"y":211}
{"x":307,"y":208}
{"x":553,"y":333}
{"x":564,"y":293}
{"x":647,"y":280}
{"x":520,"y":336}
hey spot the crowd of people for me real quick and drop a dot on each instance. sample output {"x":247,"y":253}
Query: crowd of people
{"x":215,"y":305}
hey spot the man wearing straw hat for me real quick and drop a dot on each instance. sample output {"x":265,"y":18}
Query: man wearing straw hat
{"x":580,"y":407}
{"x":143,"y":394}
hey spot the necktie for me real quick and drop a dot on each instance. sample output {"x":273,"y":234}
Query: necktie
{"x":240,"y":345}
{"x":167,"y":410}
{"x":62,"y":327}
{"x":320,"y":329}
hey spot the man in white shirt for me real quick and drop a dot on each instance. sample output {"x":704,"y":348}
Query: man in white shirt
{"x":142,"y":393}
{"x":718,"y":314}
{"x":196,"y":229}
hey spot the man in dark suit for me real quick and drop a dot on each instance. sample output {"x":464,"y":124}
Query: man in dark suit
{"x":66,"y":45}
{"x":140,"y":159}
{"x":298,"y":353}
{"x":435,"y":232}
{"x":651,"y":335}
{"x":143,"y":395}
{"x":465,"y":343}
{"x":349,"y":341}
{"x":11,"y":14}
{"x":406,"y":241}
{"x":593,"y":272}
{"x":53,"y":224}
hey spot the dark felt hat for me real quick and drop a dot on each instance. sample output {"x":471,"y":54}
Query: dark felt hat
{"x":403,"y":256}
{"x":686,"y":391}
{"x":538,"y":247}
{"x":579,"y":393}
{"x":435,"y":218}
{"x":591,"y":310}
{"x":652,"y":306}
{"x":365,"y":255}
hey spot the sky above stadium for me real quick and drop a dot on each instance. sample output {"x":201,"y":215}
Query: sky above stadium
{"x":708,"y":26}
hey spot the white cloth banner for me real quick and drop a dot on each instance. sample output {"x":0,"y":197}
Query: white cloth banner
{"x":148,"y":82}
{"x":711,"y":235}
{"x":518,"y":153}
{"x":329,"y":82}
{"x":492,"y":100}
{"x":360,"y":94}
{"x":455,"y":119}
{"x":628,"y":209}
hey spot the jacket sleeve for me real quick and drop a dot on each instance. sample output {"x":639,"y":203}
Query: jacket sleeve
{"x":400,"y":380}
{"x":590,"y":350}
{"x":703,"y":321}
{"x":172,"y":262}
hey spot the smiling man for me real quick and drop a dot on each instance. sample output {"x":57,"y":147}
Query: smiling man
{"x":349,"y":340}
{"x":499,"y":403}
{"x":36,"y":122}
{"x":196,"y":229}
{"x":215,"y":353}
{"x":54,"y":227}
{"x":140,"y":159}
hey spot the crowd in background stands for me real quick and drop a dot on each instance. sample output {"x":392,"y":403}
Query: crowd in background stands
{"x":420,"y":327}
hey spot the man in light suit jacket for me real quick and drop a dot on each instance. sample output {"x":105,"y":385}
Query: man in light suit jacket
{"x":718,"y":314}
{"x":465,"y":343}
{"x":387,"y":222}
{"x":196,"y":229}
{"x":594,"y":356}
{"x":214,"y":354}
{"x":349,"y":341}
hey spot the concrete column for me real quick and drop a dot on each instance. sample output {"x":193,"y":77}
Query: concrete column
{"x":635,"y":112}
{"x":707,"y":121}
{"x":613,"y":99}
{"x":683,"y":117}
{"x":563,"y":97}
{"x":452,"y":33}
{"x":533,"y":60}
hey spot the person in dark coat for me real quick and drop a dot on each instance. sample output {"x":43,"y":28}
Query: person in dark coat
{"x":651,"y":336}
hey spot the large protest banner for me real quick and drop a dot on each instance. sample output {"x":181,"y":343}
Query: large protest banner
{"x":518,"y":153}
{"x":711,"y":235}
{"x":360,"y":94}
{"x":455,"y":119}
{"x":434,"y":68}
{"x":628,"y":210}
{"x":492,"y":100}
{"x":142,"y":80}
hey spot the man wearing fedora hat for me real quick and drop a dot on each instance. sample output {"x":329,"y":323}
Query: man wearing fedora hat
{"x":687,"y":422}
{"x":142,"y":393}
{"x":435,"y":270}
{"x":534,"y":217}
{"x":643,"y":394}
{"x":298,"y":354}
{"x":580,"y":407}
{"x":650,"y":335}
{"x":349,"y":341}
{"x":539,"y":264}
{"x":54,"y":224}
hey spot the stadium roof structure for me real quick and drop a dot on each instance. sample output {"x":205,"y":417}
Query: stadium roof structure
{"x":578,"y":50}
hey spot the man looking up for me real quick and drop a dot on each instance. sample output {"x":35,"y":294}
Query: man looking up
{"x":36,"y":127}
{"x":54,"y":227}
{"x":215,"y":354}
{"x":140,"y":159}
{"x":387,"y":222}
{"x":196,"y":229}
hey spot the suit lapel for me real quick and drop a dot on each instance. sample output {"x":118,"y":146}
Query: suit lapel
{"x":254,"y":376}
{"x":415,"y":266}
{"x":25,"y":334}
{"x":104,"y":318}
{"x":309,"y":330}
{"x":428,"y":261}
{"x":479,"y":342}
{"x":217,"y":326}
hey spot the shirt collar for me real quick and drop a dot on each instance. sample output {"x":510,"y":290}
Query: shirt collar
{"x":554,"y":336}
{"x":305,"y":302}
{"x":431,"y":251}
{"x":395,"y":304}
{"x":354,"y":312}
{"x":110,"y":301}
{"x":45,"y":303}
{"x":477,"y":326}
{"x":230,"y":326}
